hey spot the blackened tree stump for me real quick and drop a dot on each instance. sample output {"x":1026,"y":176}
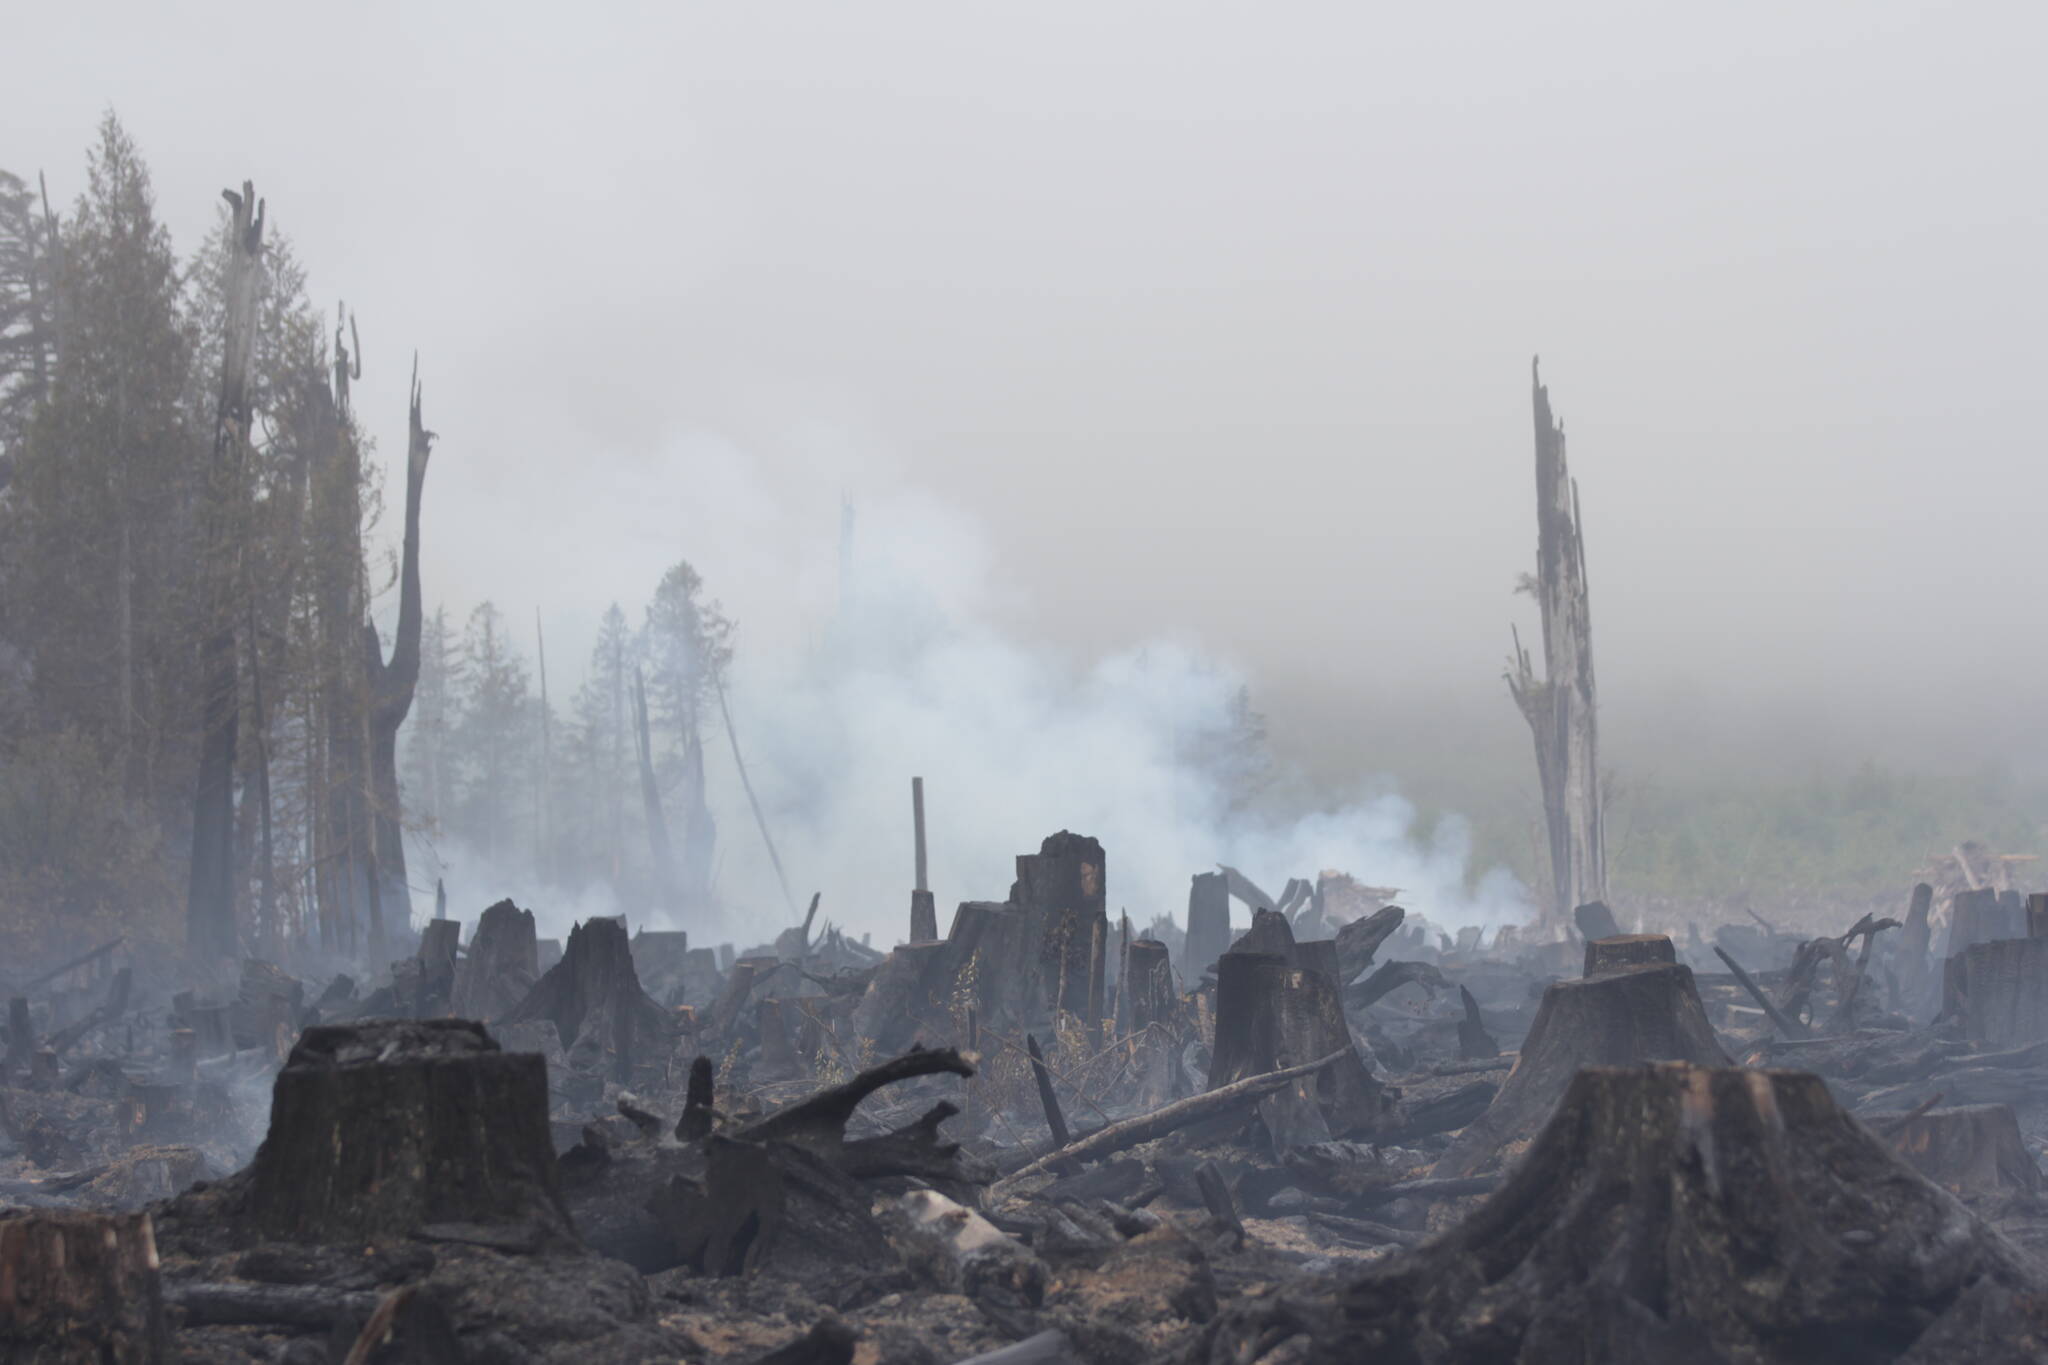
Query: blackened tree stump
{"x":1628,"y":951}
{"x":1148,"y":994}
{"x":1999,"y":991}
{"x":80,"y":1289}
{"x":1674,"y":1213}
{"x":1972,"y":1151}
{"x":593,"y":998}
{"x":1270,"y":1015}
{"x":381,"y":1128}
{"x":1651,"y":1014}
{"x":1063,"y":887}
{"x":502,"y":965}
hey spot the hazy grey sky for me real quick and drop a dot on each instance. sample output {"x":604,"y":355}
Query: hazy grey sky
{"x":1213,"y":319}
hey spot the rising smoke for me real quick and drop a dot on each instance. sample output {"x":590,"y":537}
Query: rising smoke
{"x":870,"y":655}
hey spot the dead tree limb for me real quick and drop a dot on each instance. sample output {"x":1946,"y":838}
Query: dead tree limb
{"x":1791,"y":1028}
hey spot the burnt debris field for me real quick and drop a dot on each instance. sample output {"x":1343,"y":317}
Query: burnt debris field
{"x":1044,"y":1136}
{"x":474,"y":594}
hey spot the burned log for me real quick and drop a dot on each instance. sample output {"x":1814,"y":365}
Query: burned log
{"x":1677,"y":1213}
{"x":1127,"y":1133}
{"x":377,"y":1129}
{"x":502,"y":965}
{"x":1359,"y":940}
{"x":80,"y":1289}
{"x":1650,"y":1014}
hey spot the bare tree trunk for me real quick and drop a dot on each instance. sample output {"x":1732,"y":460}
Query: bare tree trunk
{"x":210,"y":930}
{"x":543,"y":831}
{"x":1560,"y":706}
{"x":392,"y":684}
{"x":650,"y":794}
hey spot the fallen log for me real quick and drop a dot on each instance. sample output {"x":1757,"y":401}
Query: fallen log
{"x":1130,"y":1132}
{"x":267,"y":1305}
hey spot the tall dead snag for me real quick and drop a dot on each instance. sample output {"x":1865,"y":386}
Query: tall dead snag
{"x":382,"y":1128}
{"x":1559,"y":706}
{"x":924,"y":910}
{"x":1684,"y":1214}
{"x":391,"y":687}
{"x":210,"y":929}
{"x":80,"y":1289}
{"x":1618,"y":1019}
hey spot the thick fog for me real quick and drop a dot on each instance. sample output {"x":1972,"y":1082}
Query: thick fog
{"x":1185,"y":333}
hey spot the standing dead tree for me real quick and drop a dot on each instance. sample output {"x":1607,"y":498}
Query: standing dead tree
{"x":1559,"y":706}
{"x":210,"y":901}
{"x":391,"y":687}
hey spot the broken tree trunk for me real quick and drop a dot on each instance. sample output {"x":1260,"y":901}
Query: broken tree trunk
{"x":1596,"y":921}
{"x":1650,"y":1014}
{"x":1683,"y":1214}
{"x":1063,"y":887}
{"x":1148,"y":996}
{"x":381,"y":1128}
{"x":80,"y":1289}
{"x":1359,"y":940}
{"x":1560,"y":706}
{"x":391,"y":684}
{"x":211,"y":932}
{"x":502,"y":965}
{"x":1208,"y":923}
{"x":924,"y":910}
{"x":1474,"y":1042}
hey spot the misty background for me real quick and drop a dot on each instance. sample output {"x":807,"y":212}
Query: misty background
{"x":1200,"y":334}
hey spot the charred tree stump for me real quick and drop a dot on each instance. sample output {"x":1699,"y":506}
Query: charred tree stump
{"x":381,"y":1128}
{"x":1916,"y":943}
{"x":593,"y":998}
{"x":1148,"y":993}
{"x":1972,"y":1151}
{"x":1650,"y":1014}
{"x":1208,"y":923}
{"x":1627,"y":952}
{"x":1270,"y":1015}
{"x":1596,"y":921}
{"x":779,"y":1061}
{"x":1062,"y":886}
{"x":1682,"y":1214}
{"x":21,"y":1036}
{"x":1980,"y":917}
{"x":80,"y":1289}
{"x":502,"y":965}
{"x":897,"y":1005}
{"x":1270,"y":933}
{"x":1999,"y":991}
